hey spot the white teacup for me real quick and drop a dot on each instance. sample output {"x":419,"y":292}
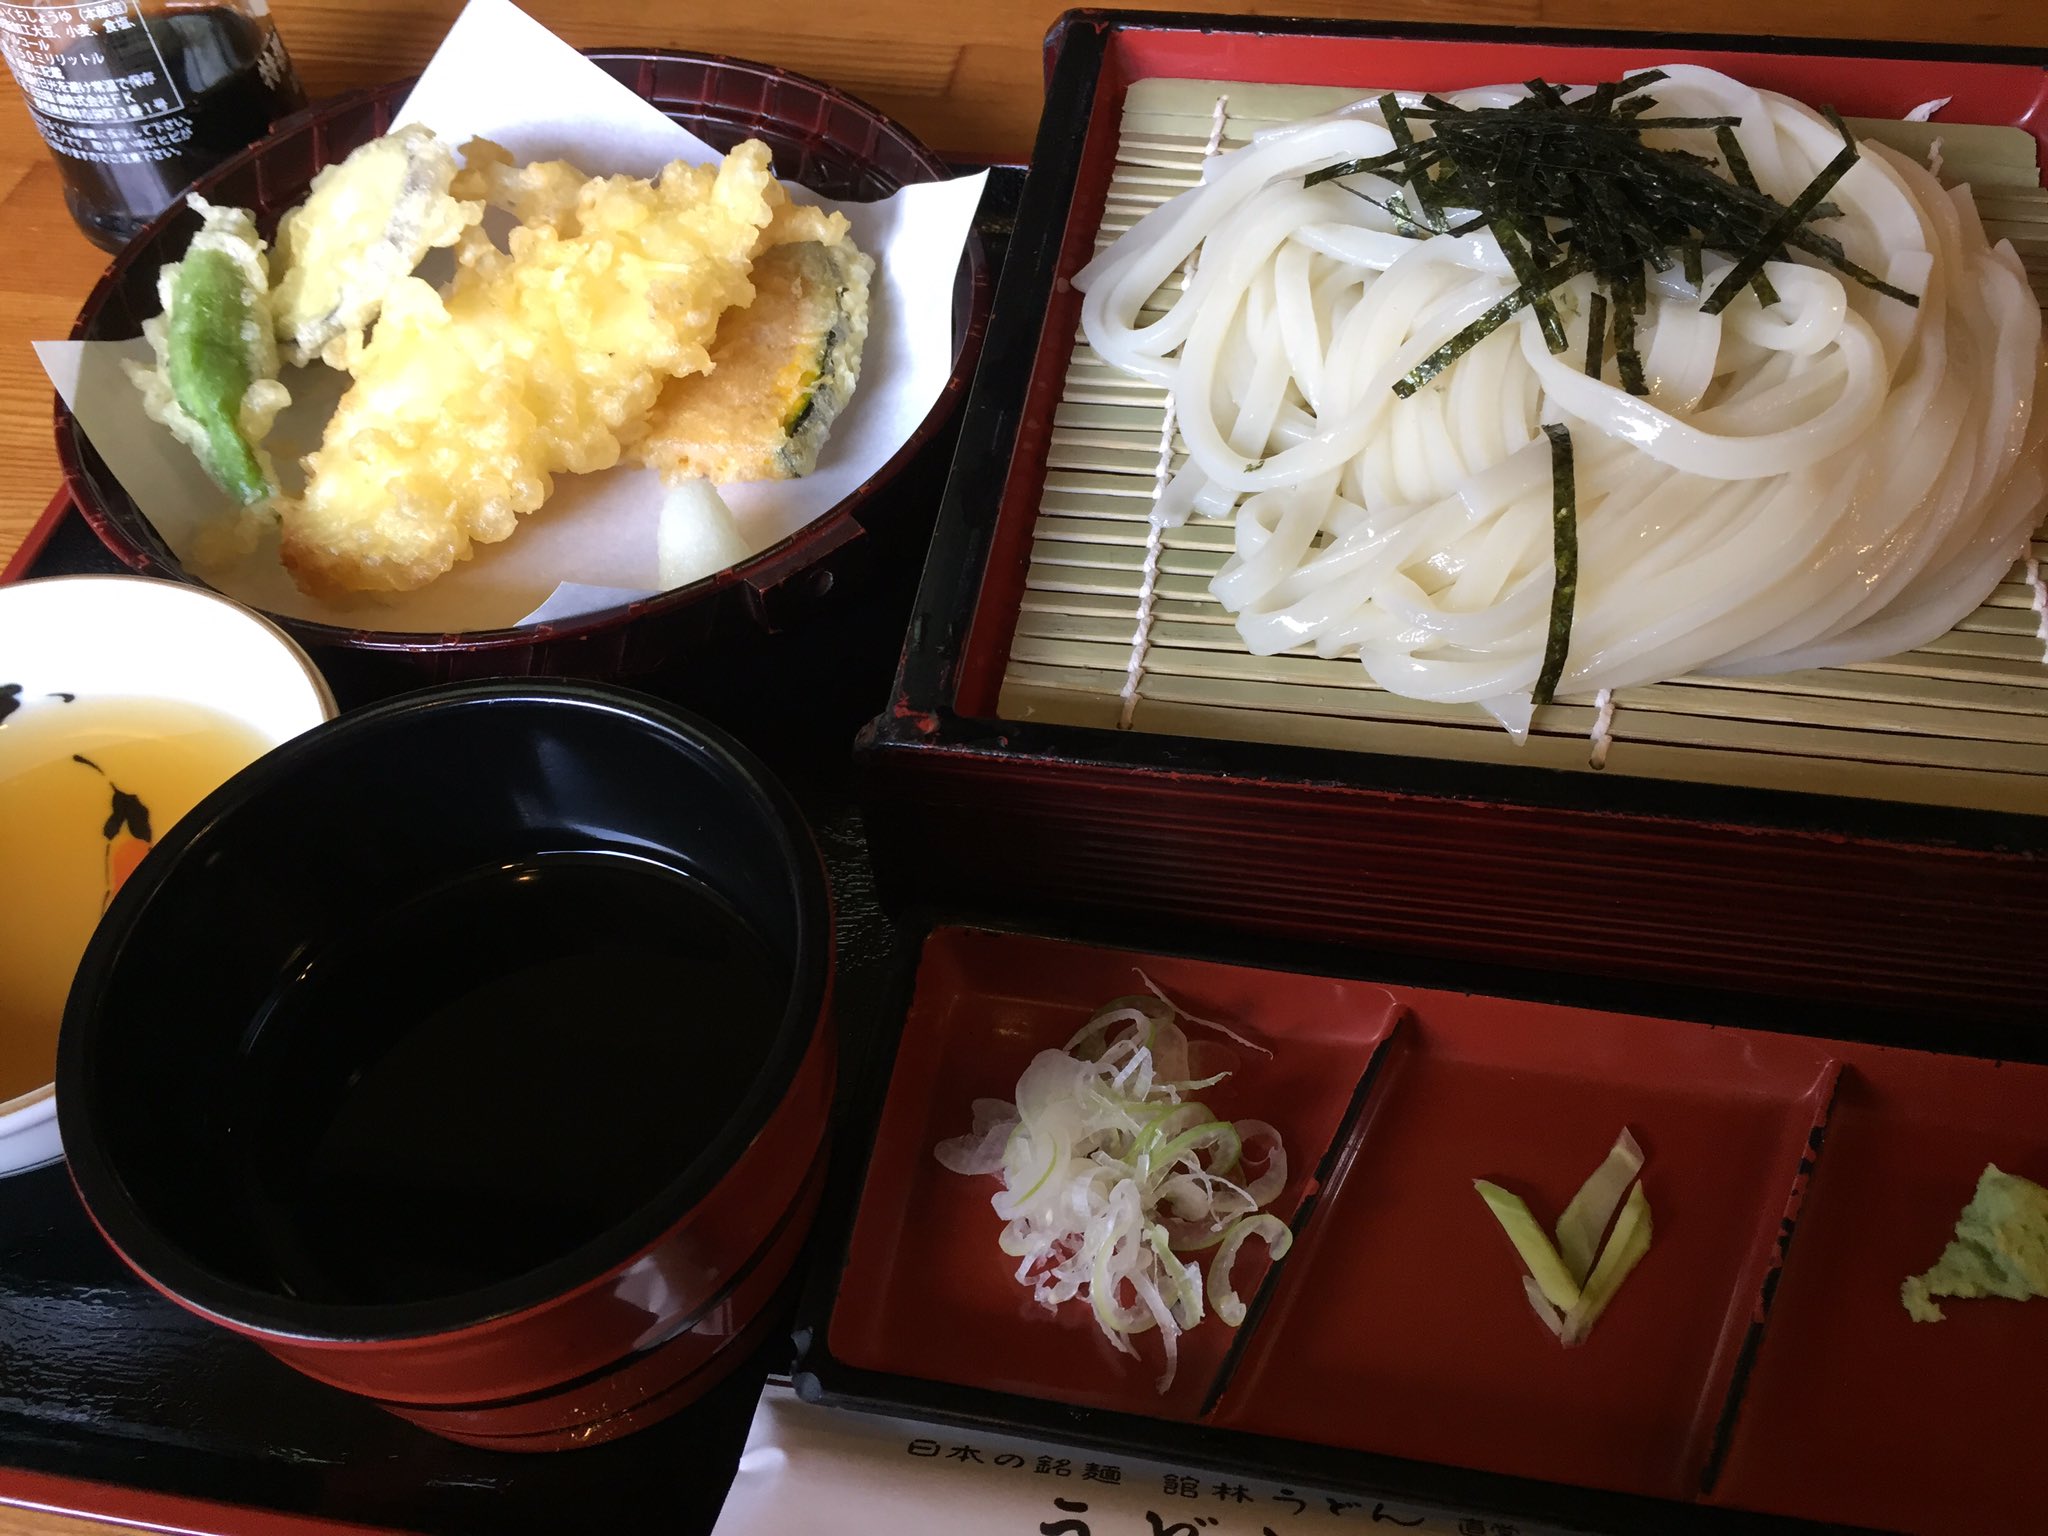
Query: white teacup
{"x":79,"y":637}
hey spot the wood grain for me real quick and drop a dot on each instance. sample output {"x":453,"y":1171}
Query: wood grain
{"x":966,"y":78}
{"x":25,"y":1522}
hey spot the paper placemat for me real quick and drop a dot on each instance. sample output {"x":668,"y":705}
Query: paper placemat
{"x":809,"y":1468}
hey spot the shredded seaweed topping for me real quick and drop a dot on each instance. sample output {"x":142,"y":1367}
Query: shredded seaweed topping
{"x":1569,"y":186}
{"x":1564,"y":588}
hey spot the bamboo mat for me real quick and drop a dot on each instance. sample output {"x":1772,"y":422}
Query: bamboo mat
{"x":1961,"y":722}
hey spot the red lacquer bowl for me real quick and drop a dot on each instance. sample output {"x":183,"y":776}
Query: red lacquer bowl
{"x":191,"y":1145}
{"x":828,"y":141}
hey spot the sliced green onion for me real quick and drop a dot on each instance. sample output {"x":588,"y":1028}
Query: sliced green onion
{"x":1220,"y":1134}
{"x":1145,"y":1146}
{"x":1186,"y":1279}
{"x":1124,"y":1188}
{"x":1278,"y":1238}
{"x":1109,"y":1015}
{"x":1051,"y":1163}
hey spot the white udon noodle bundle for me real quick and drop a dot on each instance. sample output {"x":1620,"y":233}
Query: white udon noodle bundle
{"x":1837,"y":478}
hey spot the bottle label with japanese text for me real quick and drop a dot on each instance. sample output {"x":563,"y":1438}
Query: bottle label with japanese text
{"x":95,"y":80}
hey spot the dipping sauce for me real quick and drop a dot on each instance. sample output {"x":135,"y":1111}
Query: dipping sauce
{"x":85,"y":788}
{"x":472,"y":1084}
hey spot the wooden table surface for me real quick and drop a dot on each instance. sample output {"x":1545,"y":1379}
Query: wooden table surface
{"x":965,"y":77}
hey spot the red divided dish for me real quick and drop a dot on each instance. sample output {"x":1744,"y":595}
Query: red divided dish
{"x":1401,"y":1325}
{"x":1398,"y":1325}
{"x":1855,"y":1411}
{"x":927,"y":1291}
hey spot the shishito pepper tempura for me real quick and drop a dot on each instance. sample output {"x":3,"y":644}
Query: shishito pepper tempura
{"x":214,"y":381}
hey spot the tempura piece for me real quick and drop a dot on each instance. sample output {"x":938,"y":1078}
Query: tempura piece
{"x":697,"y":536}
{"x":547,"y":192}
{"x":784,"y":367}
{"x":366,"y":223}
{"x":541,"y":360}
{"x":214,"y":383}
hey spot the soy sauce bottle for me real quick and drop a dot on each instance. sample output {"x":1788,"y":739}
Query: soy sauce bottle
{"x":138,"y":100}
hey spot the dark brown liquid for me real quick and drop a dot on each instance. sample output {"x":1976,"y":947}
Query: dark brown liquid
{"x":210,"y":55}
{"x":484,"y":1080}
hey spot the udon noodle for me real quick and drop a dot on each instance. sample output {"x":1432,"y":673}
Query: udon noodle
{"x":1835,"y":478}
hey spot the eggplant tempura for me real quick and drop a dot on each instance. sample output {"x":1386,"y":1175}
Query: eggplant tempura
{"x":366,"y":223}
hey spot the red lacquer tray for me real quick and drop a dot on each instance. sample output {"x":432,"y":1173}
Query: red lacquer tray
{"x":1757,"y":1371}
{"x":1825,"y":896}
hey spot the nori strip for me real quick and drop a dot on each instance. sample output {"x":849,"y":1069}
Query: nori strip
{"x":1810,"y":242}
{"x":1405,"y":142}
{"x":1510,"y":236}
{"x":1738,"y":162}
{"x":1564,"y":544}
{"x":1404,"y":222}
{"x":1596,"y":334}
{"x":1487,"y":323}
{"x":1628,"y":362}
{"x":1738,"y":167}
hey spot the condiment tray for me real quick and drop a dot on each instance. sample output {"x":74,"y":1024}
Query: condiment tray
{"x":1757,"y":1371}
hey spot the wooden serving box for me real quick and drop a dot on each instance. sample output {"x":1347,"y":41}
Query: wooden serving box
{"x":1875,"y":838}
